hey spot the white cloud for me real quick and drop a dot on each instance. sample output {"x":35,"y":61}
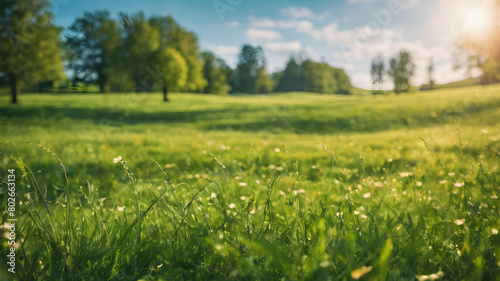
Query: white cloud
{"x":226,"y":50}
{"x":287,"y":47}
{"x":262,"y":34}
{"x":301,"y":12}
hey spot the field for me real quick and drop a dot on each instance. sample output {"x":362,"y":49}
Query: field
{"x":293,"y":186}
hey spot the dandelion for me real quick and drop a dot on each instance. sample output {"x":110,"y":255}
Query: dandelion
{"x":120,"y":209}
{"x":300,"y":191}
{"x":359,"y":272}
{"x":277,"y":150}
{"x":117,"y":159}
{"x":405,"y":174}
{"x":232,"y":205}
{"x":430,"y":277}
{"x":459,"y":221}
{"x":243,"y":184}
{"x":367,"y":195}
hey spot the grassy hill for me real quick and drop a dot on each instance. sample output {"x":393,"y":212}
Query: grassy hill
{"x":284,"y":186}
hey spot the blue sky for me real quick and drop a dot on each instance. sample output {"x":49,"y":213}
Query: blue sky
{"x":345,"y":33}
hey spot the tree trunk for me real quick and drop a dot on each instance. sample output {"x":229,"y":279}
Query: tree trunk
{"x":165,"y":92}
{"x":14,"y":87}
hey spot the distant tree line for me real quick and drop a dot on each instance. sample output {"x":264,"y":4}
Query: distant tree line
{"x":135,"y":53}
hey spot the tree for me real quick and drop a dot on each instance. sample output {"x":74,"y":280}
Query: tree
{"x":93,"y":41}
{"x":173,"y":35}
{"x":140,"y":44}
{"x":291,"y":77}
{"x":430,"y":72}
{"x":377,"y":71}
{"x":251,"y":76}
{"x":172,"y":68}
{"x":215,"y":72}
{"x":401,"y":70}
{"x":30,"y":49}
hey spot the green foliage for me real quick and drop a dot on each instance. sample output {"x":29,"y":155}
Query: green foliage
{"x":172,"y":69}
{"x":401,"y":70}
{"x":29,"y":44}
{"x":246,"y":192}
{"x":315,"y":77}
{"x":250,"y":75}
{"x":93,"y":46}
{"x":215,"y":72}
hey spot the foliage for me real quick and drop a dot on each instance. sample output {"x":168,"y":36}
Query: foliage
{"x":93,"y":43}
{"x":401,"y":70}
{"x":29,"y":44}
{"x":311,"y":76}
{"x":250,"y":74}
{"x":215,"y":72}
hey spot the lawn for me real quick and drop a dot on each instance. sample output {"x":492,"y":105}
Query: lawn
{"x":292,"y":186}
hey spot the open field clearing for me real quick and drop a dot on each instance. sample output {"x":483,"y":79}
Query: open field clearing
{"x":291,"y":186}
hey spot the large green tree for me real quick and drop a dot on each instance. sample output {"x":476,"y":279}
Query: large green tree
{"x":30,"y":49}
{"x":173,"y":35}
{"x":172,"y":70}
{"x":401,"y":70}
{"x":215,"y":72}
{"x":93,"y":41}
{"x":250,"y":74}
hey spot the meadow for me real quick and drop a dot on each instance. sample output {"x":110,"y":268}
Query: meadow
{"x":291,"y":186}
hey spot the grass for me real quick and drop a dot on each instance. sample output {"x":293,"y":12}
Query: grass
{"x":288,"y":186}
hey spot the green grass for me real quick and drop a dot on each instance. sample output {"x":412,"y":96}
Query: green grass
{"x":289,"y":186}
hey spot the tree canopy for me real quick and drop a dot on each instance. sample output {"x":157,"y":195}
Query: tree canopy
{"x":30,"y":49}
